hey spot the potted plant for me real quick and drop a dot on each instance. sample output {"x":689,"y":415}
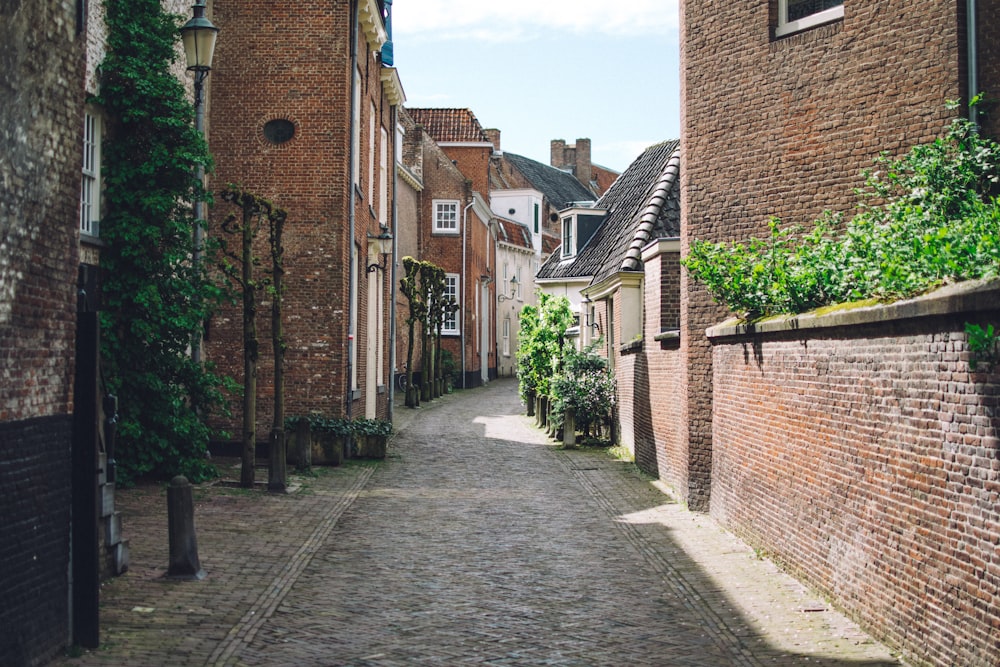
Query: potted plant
{"x":370,"y":437}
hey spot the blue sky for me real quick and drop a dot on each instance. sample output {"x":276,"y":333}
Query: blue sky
{"x":547,"y":69}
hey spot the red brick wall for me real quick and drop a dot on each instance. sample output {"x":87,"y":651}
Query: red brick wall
{"x":783,"y":127}
{"x":305,"y":76}
{"x":867,"y":461}
{"x":42,"y":74}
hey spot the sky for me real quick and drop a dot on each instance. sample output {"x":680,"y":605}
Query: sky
{"x":539,"y":70}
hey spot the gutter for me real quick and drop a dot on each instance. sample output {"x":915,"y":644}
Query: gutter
{"x":392,"y":272}
{"x":352,"y":155}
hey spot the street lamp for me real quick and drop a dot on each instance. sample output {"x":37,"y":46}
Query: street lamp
{"x":199,"y":35}
{"x":384,"y":244}
{"x":513,"y":290}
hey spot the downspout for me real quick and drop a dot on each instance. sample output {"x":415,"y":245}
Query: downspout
{"x":465,"y":282}
{"x":392,"y":271}
{"x":973,"y":58}
{"x":352,"y":155}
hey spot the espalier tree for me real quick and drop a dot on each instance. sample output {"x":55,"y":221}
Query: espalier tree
{"x":155,"y":298}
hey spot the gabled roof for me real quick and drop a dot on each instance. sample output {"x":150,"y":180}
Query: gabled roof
{"x":514,"y":233}
{"x":559,"y":187}
{"x":642,"y":205}
{"x":450,"y":125}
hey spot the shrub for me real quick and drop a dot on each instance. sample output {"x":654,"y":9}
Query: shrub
{"x":586,"y":386}
{"x":926,"y":219}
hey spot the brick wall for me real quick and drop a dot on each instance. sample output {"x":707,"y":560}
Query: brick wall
{"x":304,"y":77}
{"x":784,"y":126}
{"x":866,"y":459}
{"x":41,"y":128}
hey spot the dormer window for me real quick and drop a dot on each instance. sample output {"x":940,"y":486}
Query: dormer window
{"x":578,"y":226}
{"x":569,"y":236}
{"x":796,"y":15}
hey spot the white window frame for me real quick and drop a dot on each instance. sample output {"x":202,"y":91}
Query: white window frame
{"x":568,"y":248}
{"x":786,"y":27}
{"x":356,"y":137}
{"x":371,"y":156}
{"x":506,"y":336}
{"x":383,"y":178}
{"x":90,"y":188}
{"x":452,"y":226}
{"x":452,"y":282}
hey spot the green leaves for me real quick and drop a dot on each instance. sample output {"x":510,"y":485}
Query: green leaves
{"x":926,"y":219}
{"x":155,"y":297}
{"x":541,"y":343}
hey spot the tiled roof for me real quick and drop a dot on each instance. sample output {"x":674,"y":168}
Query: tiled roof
{"x":558,"y":186}
{"x":514,"y":233}
{"x":450,"y":125}
{"x":641,"y":205}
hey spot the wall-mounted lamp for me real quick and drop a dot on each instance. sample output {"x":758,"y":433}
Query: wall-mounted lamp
{"x":513,"y":290}
{"x":384,"y":244}
{"x":595,"y":325}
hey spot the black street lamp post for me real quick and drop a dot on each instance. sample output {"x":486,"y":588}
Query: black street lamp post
{"x":199,"y":35}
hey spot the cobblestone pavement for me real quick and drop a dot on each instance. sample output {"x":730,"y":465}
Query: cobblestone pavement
{"x":476,"y":542}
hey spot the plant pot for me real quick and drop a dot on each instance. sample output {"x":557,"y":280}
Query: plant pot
{"x":327,"y":449}
{"x":370,"y":446}
{"x":569,"y":429}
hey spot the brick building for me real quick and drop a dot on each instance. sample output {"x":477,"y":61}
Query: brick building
{"x":457,"y":231}
{"x":784,"y":102}
{"x":575,"y":159}
{"x":307,"y":119}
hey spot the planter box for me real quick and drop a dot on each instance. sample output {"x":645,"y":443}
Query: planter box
{"x":327,"y":449}
{"x":370,"y":446}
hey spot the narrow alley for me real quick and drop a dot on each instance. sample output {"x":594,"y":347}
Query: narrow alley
{"x":477,"y":541}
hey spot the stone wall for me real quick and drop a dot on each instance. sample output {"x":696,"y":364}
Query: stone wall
{"x":861,"y":451}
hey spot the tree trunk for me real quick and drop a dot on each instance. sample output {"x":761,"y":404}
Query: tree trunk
{"x":278,"y":471}
{"x":250,"y":355}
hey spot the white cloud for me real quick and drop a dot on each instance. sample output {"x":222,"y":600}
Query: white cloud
{"x":513,"y":20}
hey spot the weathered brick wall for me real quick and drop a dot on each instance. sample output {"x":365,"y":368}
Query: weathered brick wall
{"x":35,"y":505}
{"x":305,"y":77}
{"x":41,"y":129}
{"x":783,"y":127}
{"x":866,"y":459}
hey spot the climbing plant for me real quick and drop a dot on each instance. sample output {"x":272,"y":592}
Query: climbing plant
{"x":155,"y":297}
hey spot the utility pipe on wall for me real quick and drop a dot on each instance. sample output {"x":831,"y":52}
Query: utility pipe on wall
{"x":392,"y":271}
{"x":352,"y":155}
{"x":462,"y":277}
{"x":973,"y":57}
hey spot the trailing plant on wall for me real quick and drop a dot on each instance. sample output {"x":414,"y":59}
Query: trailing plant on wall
{"x":928,"y":218}
{"x":155,"y":298}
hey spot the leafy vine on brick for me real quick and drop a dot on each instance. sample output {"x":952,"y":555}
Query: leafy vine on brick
{"x":155,"y":296}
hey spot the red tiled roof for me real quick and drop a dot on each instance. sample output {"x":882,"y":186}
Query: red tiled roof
{"x":515,"y":233}
{"x":450,"y":125}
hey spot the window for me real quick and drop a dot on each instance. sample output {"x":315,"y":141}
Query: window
{"x":795,"y":15}
{"x":450,"y":325}
{"x":371,"y":157}
{"x":400,"y":136}
{"x":90,"y":191}
{"x":383,"y":179}
{"x":506,"y":336}
{"x":536,"y":218}
{"x":356,"y":138}
{"x":446,"y":217}
{"x":517,"y":274}
{"x":568,"y":227}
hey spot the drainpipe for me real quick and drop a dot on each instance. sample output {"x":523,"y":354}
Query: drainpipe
{"x":352,"y":154}
{"x":973,"y":58}
{"x":392,"y":271}
{"x":465,"y":282}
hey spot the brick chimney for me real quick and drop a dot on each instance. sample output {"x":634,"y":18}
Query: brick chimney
{"x":583,"y":169}
{"x":557,"y":153}
{"x":493,"y":135}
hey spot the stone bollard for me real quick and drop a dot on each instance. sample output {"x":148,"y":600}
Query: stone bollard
{"x":303,"y":445}
{"x":277,"y":474}
{"x":183,"y":543}
{"x":569,"y":429}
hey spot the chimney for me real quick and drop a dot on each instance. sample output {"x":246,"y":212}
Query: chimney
{"x":583,"y":169}
{"x":493,"y":136}
{"x":557,"y":153}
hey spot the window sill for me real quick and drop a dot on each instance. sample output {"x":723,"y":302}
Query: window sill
{"x":808,"y":22}
{"x":442,"y":232}
{"x":668,"y":334}
{"x":92,"y":240}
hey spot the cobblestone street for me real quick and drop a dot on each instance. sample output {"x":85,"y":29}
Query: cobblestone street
{"x":476,"y":541}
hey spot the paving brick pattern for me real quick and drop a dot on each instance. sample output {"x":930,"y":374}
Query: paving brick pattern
{"x":475,"y":542}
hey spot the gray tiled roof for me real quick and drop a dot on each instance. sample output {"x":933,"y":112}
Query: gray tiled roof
{"x":642,"y":205}
{"x":558,"y":186}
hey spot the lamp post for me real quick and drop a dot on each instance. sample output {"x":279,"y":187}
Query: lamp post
{"x":199,"y":35}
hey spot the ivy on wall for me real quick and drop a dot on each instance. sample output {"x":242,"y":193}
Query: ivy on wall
{"x":155,"y":298}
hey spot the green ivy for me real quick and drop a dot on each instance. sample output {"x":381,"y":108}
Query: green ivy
{"x":926,"y":219}
{"x":341,"y":425}
{"x":155,"y":297}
